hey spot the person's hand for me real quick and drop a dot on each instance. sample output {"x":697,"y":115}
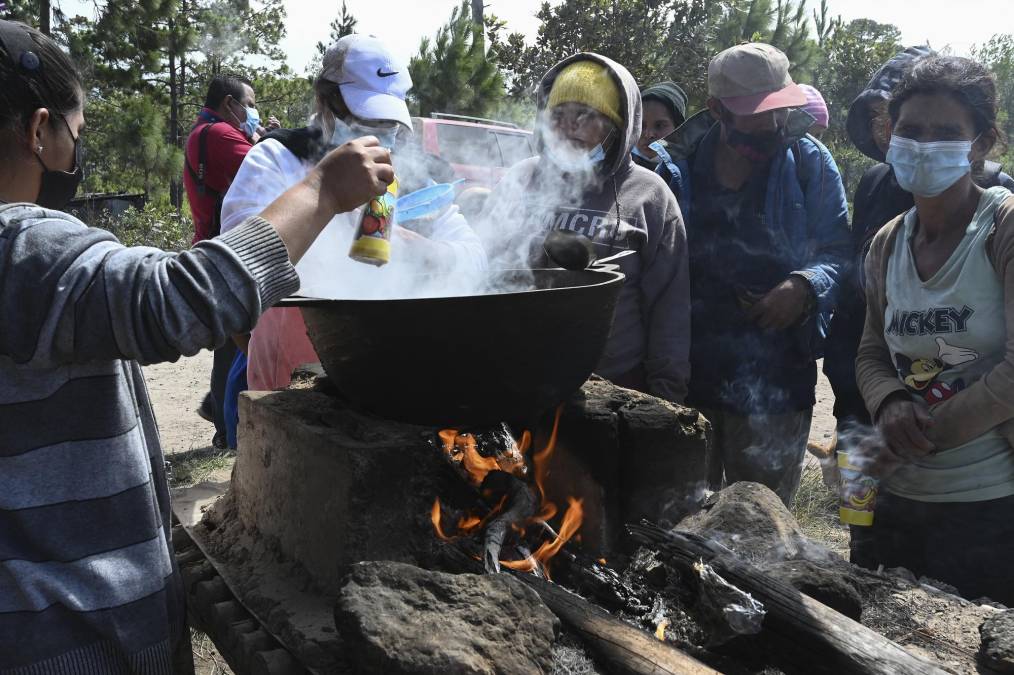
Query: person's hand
{"x":902,"y":424}
{"x":782,"y":306}
{"x":352,"y":174}
{"x":273,"y":123}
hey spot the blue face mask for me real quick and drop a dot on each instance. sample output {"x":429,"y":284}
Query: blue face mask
{"x":252,"y":122}
{"x":572,"y":160}
{"x":352,"y":128}
{"x":928,"y":169}
{"x":637,"y":151}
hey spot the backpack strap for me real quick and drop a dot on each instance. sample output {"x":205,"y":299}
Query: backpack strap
{"x":202,"y":163}
{"x":199,"y":175}
{"x":804,"y":177}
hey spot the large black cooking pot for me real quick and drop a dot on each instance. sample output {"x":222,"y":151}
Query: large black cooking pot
{"x":471,"y":360}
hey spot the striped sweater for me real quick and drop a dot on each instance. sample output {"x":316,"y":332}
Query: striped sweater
{"x":88,"y":584}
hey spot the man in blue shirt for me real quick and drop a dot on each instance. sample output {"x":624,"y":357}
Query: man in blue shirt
{"x":767,"y":229}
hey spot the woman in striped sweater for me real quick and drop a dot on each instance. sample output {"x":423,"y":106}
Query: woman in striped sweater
{"x":88,"y":584}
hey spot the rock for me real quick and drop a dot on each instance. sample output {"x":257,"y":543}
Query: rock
{"x":829,"y":586}
{"x":397,"y":618}
{"x":628,"y":456}
{"x":997,"y":648}
{"x":751,"y":520}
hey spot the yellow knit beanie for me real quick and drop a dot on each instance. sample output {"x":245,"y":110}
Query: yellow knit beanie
{"x":590,"y":84}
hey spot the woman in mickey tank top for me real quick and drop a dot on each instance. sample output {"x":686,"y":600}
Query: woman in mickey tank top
{"x":936,"y":363}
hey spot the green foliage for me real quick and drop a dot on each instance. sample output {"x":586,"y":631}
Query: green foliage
{"x":126,"y":147}
{"x":782,"y":23}
{"x":997,"y":54}
{"x":654,"y":39}
{"x":851,"y":53}
{"x":284,"y":95}
{"x":848,"y":56}
{"x":453,"y":73}
{"x":158,"y":224}
{"x":344,"y":24}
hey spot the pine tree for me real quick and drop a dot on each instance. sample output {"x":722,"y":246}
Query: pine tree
{"x":454,"y":73}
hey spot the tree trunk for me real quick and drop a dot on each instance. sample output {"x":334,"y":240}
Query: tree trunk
{"x":477,"y":19}
{"x":45,"y":17}
{"x":175,"y":191}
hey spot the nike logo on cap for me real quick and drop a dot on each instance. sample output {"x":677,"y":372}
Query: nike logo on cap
{"x":381,"y":73}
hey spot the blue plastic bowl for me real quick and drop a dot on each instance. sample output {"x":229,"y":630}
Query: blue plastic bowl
{"x":428,"y":202}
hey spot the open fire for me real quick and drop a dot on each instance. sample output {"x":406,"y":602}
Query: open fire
{"x":516,"y":510}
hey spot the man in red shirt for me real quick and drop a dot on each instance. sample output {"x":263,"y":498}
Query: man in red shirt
{"x":223,"y":133}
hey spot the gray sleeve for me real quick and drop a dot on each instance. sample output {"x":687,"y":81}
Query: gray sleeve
{"x":665,"y":293}
{"x":70,"y":294}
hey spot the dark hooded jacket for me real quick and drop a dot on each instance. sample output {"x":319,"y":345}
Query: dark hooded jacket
{"x":672,"y":96}
{"x":878,"y":199}
{"x":790,"y":219}
{"x":619,"y":206}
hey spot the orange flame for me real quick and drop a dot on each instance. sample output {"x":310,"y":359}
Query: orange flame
{"x":435,"y":518}
{"x":541,"y":460}
{"x":571,"y":523}
{"x":526,"y":565}
{"x":462,"y":449}
{"x":526,"y":442}
{"x":660,"y":630}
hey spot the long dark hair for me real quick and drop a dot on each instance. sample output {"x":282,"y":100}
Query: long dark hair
{"x":53,"y":84}
{"x":966,"y":81}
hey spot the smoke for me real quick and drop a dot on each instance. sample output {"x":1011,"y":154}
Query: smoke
{"x":511,"y":228}
{"x":527,"y":203}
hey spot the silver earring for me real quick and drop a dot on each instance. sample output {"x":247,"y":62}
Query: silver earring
{"x":40,"y":148}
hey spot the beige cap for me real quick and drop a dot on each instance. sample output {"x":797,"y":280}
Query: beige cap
{"x":753,"y":78}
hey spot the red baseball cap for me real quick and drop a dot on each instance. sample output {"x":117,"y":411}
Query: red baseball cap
{"x":753,"y":78}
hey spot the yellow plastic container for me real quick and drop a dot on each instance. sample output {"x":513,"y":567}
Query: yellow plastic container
{"x":858,"y":493}
{"x":372,"y":243}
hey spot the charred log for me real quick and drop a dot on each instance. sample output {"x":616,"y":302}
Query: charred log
{"x":618,"y":646}
{"x":521,"y":504}
{"x":806,"y":635}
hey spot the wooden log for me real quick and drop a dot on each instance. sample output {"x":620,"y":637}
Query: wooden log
{"x":618,"y":646}
{"x":811,"y":637}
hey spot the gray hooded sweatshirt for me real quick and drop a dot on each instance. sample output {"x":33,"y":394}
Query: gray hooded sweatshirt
{"x":619,"y":206}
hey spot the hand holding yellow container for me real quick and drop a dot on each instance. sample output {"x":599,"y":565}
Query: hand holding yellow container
{"x":858,"y":493}
{"x":372,"y":241}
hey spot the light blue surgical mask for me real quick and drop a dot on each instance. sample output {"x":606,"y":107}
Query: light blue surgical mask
{"x":352,"y":128}
{"x":637,"y":151}
{"x":572,"y":160}
{"x":928,"y":169}
{"x":252,"y":122}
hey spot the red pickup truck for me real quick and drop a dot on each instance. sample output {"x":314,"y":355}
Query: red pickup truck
{"x":479,"y":150}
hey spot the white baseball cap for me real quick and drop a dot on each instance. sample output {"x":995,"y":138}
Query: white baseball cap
{"x":372,"y":82}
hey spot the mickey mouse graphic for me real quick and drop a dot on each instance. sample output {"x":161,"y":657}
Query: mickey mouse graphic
{"x":921,"y":375}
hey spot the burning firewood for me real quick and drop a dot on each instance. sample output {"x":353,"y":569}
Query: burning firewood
{"x":521,"y":505}
{"x":493,"y":463}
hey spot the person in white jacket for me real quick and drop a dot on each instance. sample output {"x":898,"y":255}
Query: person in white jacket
{"x":360,"y":91}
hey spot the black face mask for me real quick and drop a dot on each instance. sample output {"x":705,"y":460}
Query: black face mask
{"x":59,"y":187}
{"x":758,"y":148}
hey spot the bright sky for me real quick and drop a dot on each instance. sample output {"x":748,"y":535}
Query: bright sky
{"x":958,"y":23}
{"x":402,"y":23}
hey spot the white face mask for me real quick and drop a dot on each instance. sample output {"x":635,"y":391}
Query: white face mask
{"x":352,"y":128}
{"x":928,"y":169}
